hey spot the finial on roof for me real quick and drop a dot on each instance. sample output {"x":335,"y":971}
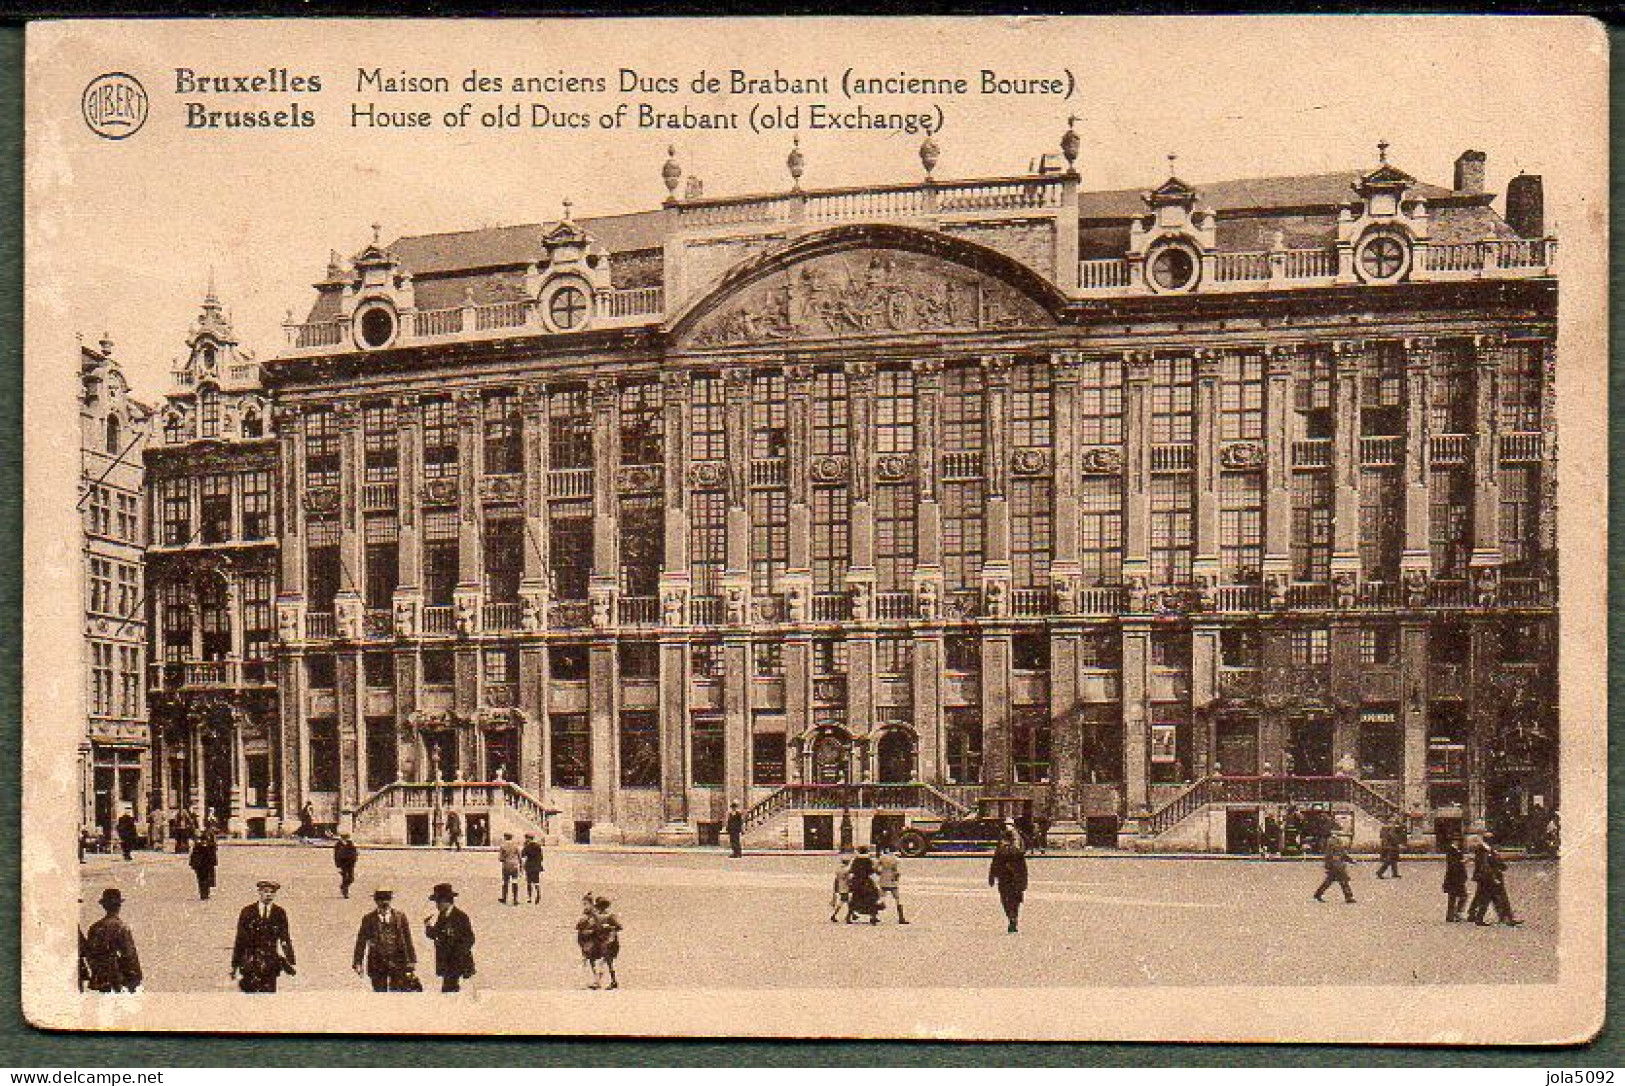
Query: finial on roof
{"x":797,"y":163}
{"x":375,"y":229}
{"x":1070,"y":141}
{"x":930,"y":153}
{"x":1173,"y":157}
{"x":106,"y":343}
{"x":567,"y":205}
{"x":209,"y":296}
{"x":1382,"y":151}
{"x":671,"y":171}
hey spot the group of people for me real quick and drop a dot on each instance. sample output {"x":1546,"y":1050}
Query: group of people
{"x":863,"y":883}
{"x":598,"y":934}
{"x":1488,"y":875}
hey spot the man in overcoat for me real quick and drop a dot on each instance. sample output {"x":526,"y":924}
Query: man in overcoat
{"x":1455,"y":881}
{"x":204,"y":859}
{"x":1489,"y":873}
{"x":264,"y":947}
{"x":108,"y":961}
{"x":1009,"y":873}
{"x":344,"y":858}
{"x":734,"y":827}
{"x":383,"y":946}
{"x":453,"y":937}
{"x":1336,"y":863}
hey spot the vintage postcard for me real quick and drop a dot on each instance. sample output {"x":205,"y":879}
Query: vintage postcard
{"x":1020,"y":528}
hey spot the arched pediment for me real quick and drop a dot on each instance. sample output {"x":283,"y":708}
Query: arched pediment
{"x":868,"y":281}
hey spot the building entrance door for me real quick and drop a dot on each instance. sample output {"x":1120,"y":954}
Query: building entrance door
{"x":501,"y":754}
{"x":217,"y":773}
{"x":818,"y":832}
{"x":829,"y":759}
{"x":1312,"y":745}
{"x":444,"y":763}
{"x":894,"y":757}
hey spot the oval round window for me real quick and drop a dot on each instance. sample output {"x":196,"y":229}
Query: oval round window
{"x":567,"y":308}
{"x":377,"y":326}
{"x":1173,"y":268}
{"x":1382,"y":257}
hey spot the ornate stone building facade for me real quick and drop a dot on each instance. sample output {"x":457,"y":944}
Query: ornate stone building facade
{"x":211,"y":571}
{"x":1146,"y":512}
{"x":113,"y":753}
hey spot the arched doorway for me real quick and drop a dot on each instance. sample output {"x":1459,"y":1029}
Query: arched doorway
{"x":829,"y":757}
{"x":441,"y":746}
{"x":894,"y":756}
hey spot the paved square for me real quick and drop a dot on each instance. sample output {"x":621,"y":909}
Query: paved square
{"x":699,"y":918}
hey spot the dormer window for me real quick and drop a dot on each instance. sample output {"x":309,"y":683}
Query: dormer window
{"x":253,"y":426}
{"x":208,"y":408}
{"x":1172,"y":268}
{"x":174,"y":428}
{"x":205,"y":357}
{"x":1382,"y":258}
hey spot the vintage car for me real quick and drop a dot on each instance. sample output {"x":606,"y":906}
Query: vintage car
{"x":951,"y":835}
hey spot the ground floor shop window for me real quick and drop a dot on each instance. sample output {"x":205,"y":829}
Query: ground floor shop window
{"x":572,"y":750}
{"x":1382,"y":745}
{"x":640,"y":750}
{"x":382,"y":751}
{"x":324,"y":755}
{"x":1169,"y":743}
{"x":1101,"y":742}
{"x":706,"y":750}
{"x":767,"y":749}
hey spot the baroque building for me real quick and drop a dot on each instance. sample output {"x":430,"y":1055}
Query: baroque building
{"x":113,"y":752}
{"x":211,"y":572}
{"x":1145,"y":512}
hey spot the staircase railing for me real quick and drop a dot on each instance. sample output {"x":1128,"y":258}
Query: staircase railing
{"x":425,"y":795}
{"x":901,"y":796}
{"x":1272,"y":789}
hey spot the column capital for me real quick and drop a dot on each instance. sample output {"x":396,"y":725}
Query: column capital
{"x":406,"y":403}
{"x":287,"y":415}
{"x":347,"y":413}
{"x":798,"y":374}
{"x":1064,"y":366}
{"x":1278,"y":357}
{"x":997,"y":367}
{"x":1346,"y":353}
{"x":1419,"y":351}
{"x":533,"y":399}
{"x":859,"y":369}
{"x":736,"y":380}
{"x":1137,"y":365}
{"x":1207,"y":363}
{"x":1485,"y":347}
{"x":926,"y":367}
{"x":603,"y":390}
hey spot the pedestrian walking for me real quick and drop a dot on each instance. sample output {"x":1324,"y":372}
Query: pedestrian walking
{"x":1489,"y":873}
{"x":587,"y":938}
{"x":344,"y":858}
{"x":184,"y":826}
{"x":108,"y":961}
{"x":508,"y":855}
{"x":1393,"y":839}
{"x":383,"y":947}
{"x":203,"y":861}
{"x":841,"y":895}
{"x":263,"y":950}
{"x":861,"y":885}
{"x":889,"y":873}
{"x":531,"y":856}
{"x":1336,"y":862}
{"x":452,"y":934}
{"x":735,"y":828}
{"x":1041,"y":834}
{"x":1008,"y":872}
{"x":128,"y":835}
{"x":1455,"y":881}
{"x":454,"y":830}
{"x":609,"y":938}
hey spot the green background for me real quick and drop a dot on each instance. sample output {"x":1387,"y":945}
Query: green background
{"x":22,"y":1046}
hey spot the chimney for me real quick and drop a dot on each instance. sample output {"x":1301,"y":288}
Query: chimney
{"x":1526,"y":205}
{"x":1470,"y":172}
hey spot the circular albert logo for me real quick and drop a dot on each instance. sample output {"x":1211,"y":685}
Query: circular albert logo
{"x":115,"y":105}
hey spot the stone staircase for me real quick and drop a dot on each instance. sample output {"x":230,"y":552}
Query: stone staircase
{"x":383,"y":817}
{"x":1275,"y":791}
{"x":767,"y":821}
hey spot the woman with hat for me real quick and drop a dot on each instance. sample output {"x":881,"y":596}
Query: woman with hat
{"x":108,"y":956}
{"x":452,"y":934}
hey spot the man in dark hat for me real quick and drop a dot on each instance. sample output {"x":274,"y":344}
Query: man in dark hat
{"x":204,"y":859}
{"x":735,"y":829}
{"x":383,"y":947}
{"x":1008,"y":872}
{"x":1489,"y":875}
{"x":128,"y":835}
{"x":453,"y":937}
{"x":110,"y":963}
{"x":344,"y":858}
{"x":264,"y":947}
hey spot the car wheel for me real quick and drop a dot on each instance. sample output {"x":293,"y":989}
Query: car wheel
{"x":913,"y":843}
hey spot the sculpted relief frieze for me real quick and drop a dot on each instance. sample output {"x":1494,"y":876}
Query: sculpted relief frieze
{"x":866,"y":292}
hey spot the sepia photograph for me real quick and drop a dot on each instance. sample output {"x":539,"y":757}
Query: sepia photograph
{"x":1052,"y":529}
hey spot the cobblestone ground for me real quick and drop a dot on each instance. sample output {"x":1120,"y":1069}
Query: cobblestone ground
{"x":699,"y":918}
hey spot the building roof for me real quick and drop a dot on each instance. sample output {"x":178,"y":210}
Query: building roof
{"x":503,"y":246}
{"x":1248,"y":194}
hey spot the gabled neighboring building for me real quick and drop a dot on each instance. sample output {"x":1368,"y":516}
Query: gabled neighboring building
{"x":113,"y":754}
{"x":211,"y":568}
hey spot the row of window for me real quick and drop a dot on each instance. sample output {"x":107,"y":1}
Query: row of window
{"x":115,"y":588}
{"x":195,"y":620}
{"x":220,"y":507}
{"x":113,"y":514}
{"x":116,"y":681}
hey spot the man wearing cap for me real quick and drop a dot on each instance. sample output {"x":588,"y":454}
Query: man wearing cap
{"x":383,"y":946}
{"x":453,"y":937}
{"x":344,"y":857}
{"x":508,"y":853}
{"x":108,"y":959}
{"x":264,"y":947}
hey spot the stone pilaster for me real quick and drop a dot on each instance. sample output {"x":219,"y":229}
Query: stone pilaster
{"x":603,"y":707}
{"x":736,"y":570}
{"x":996,"y":569}
{"x":1413,"y":715}
{"x":1278,"y":465}
{"x":352,"y":569}
{"x":293,"y":696}
{"x":675,"y":829}
{"x":860,"y":390}
{"x":928,"y":511}
{"x":1416,"y":559}
{"x":1136,"y":728}
{"x":997,"y":710}
{"x":606,"y":535}
{"x":1066,"y":739}
{"x":1066,"y":573}
{"x":408,"y":451}
{"x":737,"y":668}
{"x":675,"y":575}
{"x":1137,"y":464}
{"x":928,"y":693}
{"x":532,"y":774}
{"x":1486,"y":553}
{"x":1205,"y":464}
{"x":533,"y":585}
{"x":1347,"y":356}
{"x":1204,"y":692}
